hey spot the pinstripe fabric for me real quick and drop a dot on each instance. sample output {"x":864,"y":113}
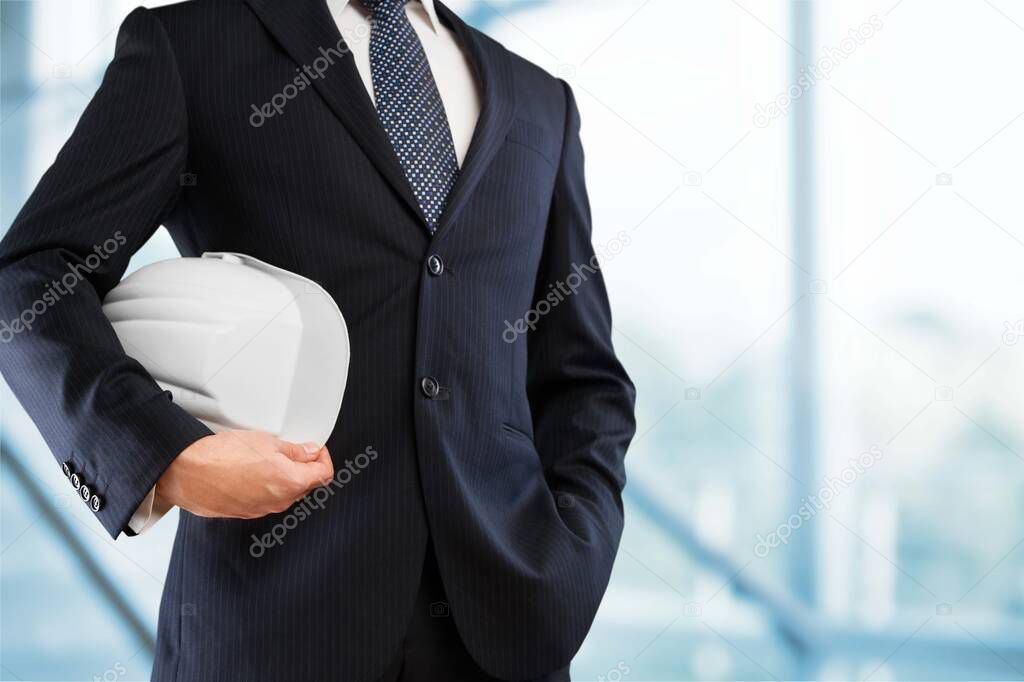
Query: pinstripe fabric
{"x":514,"y":469}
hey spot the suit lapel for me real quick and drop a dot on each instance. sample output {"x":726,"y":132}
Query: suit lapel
{"x":307,"y":32}
{"x":494,"y":70}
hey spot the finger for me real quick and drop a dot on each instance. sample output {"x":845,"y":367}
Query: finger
{"x":318,"y":475}
{"x":306,"y":452}
{"x":326,"y":464}
{"x":302,"y":476}
{"x":315,"y":474}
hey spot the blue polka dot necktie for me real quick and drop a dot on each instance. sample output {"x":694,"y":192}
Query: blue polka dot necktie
{"x":410,"y":107}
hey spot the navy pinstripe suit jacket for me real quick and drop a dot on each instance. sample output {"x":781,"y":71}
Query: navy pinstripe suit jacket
{"x":513,"y":468}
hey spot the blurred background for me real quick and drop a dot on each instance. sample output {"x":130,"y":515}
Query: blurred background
{"x":813,"y":233}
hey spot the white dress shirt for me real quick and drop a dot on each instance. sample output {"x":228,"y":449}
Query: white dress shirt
{"x":460,"y":94}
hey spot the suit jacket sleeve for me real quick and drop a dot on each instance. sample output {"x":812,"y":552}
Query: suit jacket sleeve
{"x":580,"y":396}
{"x":108,"y":190}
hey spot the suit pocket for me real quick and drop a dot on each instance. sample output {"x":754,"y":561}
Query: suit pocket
{"x":514,"y":432}
{"x":563,"y":506}
{"x":532,"y":136}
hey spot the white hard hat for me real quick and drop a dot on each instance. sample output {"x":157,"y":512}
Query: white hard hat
{"x":239,"y":343}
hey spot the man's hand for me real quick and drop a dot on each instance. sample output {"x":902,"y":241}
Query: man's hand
{"x":243,"y":475}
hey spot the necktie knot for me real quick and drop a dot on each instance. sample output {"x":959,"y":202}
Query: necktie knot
{"x":385,"y":7}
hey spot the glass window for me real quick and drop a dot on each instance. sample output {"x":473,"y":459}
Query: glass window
{"x":809,"y":223}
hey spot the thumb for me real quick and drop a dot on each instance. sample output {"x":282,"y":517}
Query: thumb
{"x":326,"y":465}
{"x":320,"y":470}
{"x":306,"y":452}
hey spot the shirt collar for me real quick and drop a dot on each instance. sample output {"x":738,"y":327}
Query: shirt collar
{"x":428,"y":5}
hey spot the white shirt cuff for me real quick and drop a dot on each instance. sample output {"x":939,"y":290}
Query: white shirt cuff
{"x":148,"y":513}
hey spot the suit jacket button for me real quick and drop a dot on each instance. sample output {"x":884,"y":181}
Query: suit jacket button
{"x":66,"y":468}
{"x":430,"y":387}
{"x":435,"y":266}
{"x":85,"y":492}
{"x":76,"y":481}
{"x":96,"y":502}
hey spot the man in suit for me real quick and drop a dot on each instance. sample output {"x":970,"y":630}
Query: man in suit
{"x":432,"y":182}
